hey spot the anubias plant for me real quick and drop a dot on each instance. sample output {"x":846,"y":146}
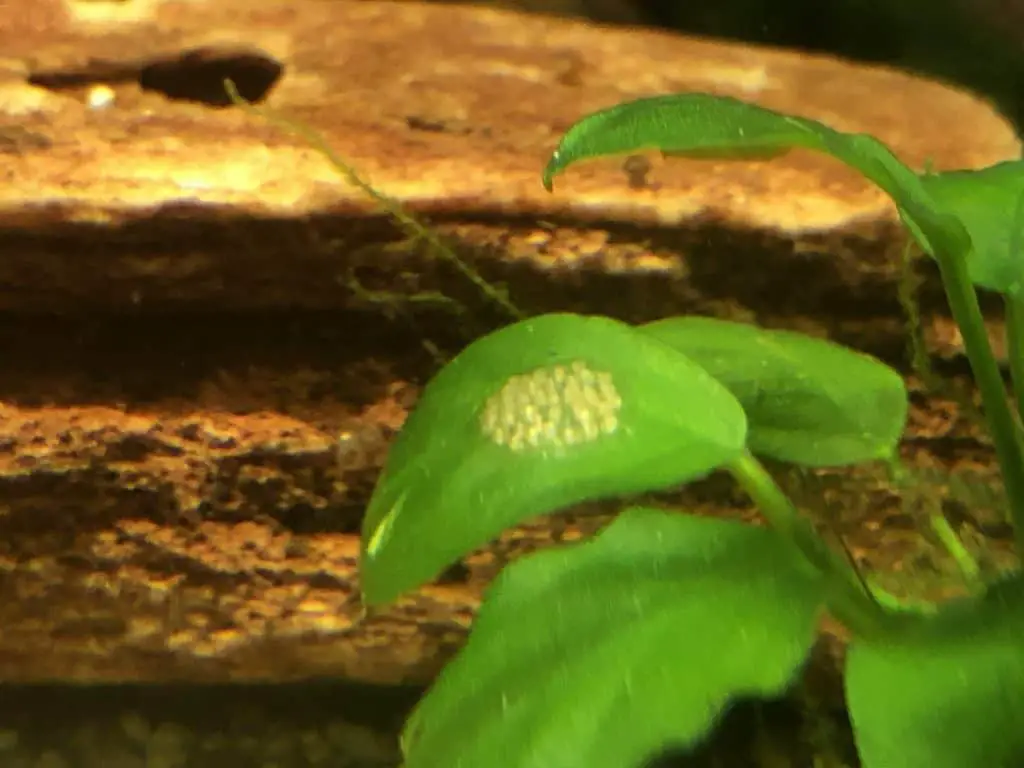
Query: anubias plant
{"x":601,"y":653}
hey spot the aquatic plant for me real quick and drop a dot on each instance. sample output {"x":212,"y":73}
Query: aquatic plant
{"x":600,"y":653}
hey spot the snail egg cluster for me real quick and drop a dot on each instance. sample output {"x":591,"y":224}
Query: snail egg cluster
{"x":552,"y":407}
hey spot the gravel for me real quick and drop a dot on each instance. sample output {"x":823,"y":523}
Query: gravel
{"x":111,"y":728}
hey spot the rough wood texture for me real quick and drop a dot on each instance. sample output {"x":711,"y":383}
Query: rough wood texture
{"x":182,"y":349}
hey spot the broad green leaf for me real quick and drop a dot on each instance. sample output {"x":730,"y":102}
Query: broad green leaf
{"x":542,"y":414}
{"x":702,"y":125}
{"x":948,"y":692}
{"x":602,"y":653}
{"x":807,"y":401}
{"x":990,"y":203}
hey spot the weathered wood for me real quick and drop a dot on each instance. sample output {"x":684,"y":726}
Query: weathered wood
{"x":182,"y":349}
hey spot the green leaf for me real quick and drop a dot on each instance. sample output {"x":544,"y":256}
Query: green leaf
{"x":990,"y":203}
{"x":807,"y":401}
{"x":702,"y":125}
{"x":948,"y":692}
{"x":601,"y":653}
{"x":542,"y":414}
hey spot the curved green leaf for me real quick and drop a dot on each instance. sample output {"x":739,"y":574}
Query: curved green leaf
{"x":702,"y":125}
{"x":542,"y":414}
{"x":689,"y":125}
{"x":949,"y":692}
{"x":990,"y":203}
{"x":602,"y":653}
{"x":808,"y":401}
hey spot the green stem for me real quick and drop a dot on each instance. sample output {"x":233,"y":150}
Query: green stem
{"x":1014,"y":319}
{"x":964,"y":559}
{"x":1006,"y":435}
{"x":852,"y":603}
{"x":907,"y":485}
{"x":906,"y":292}
{"x":391,"y":206}
{"x":1015,"y":347}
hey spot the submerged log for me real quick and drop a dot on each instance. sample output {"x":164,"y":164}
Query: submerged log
{"x":195,"y":400}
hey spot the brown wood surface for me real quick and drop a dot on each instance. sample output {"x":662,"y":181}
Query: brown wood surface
{"x":193,"y":402}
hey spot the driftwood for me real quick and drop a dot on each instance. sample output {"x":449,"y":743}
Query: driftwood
{"x":195,"y":399}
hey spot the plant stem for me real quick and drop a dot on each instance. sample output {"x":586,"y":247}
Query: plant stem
{"x":1014,"y":318}
{"x":907,"y":485}
{"x":1006,"y":434}
{"x":854,"y":604}
{"x":964,"y":559}
{"x":907,"y":294}
{"x":1015,"y":347}
{"x":391,"y":206}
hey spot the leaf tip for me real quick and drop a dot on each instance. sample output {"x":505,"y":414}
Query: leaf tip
{"x":552,"y":169}
{"x":375,"y":538}
{"x":374,"y":589}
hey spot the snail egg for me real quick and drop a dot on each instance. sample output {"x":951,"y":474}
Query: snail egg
{"x":553,"y":407}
